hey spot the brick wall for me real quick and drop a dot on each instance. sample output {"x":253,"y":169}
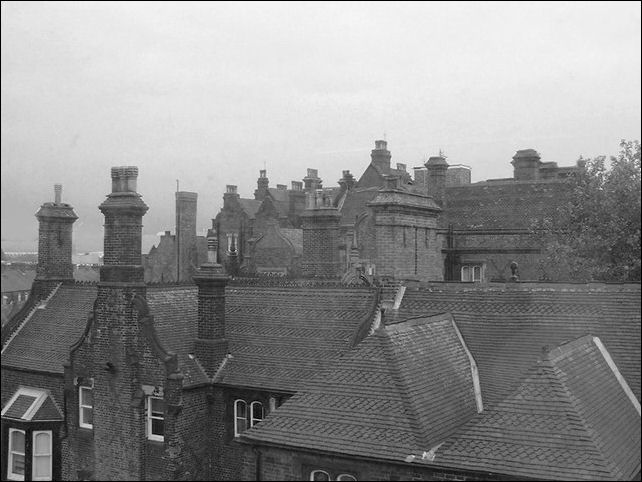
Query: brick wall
{"x":187,"y":255}
{"x":407,"y":244}
{"x":321,"y":240}
{"x":54,"y":248}
{"x":279,"y":464}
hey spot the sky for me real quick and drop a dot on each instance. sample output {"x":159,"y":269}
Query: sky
{"x":210,"y":93}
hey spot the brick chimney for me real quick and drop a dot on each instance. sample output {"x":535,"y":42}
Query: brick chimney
{"x":347,"y":181}
{"x":380,"y":157}
{"x":186,"y":252}
{"x":526,"y":164}
{"x":321,"y":236}
{"x":436,"y":169}
{"x":55,"y":221}
{"x":312,"y":181}
{"x":262,"y":185}
{"x":117,"y":335}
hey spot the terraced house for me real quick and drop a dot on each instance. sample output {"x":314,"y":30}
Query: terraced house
{"x":376,"y":376}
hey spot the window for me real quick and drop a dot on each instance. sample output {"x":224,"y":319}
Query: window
{"x":256,"y":414}
{"x":232,"y":241}
{"x":16,"y":462}
{"x":244,"y":418}
{"x":319,"y":475}
{"x":86,"y":407}
{"x":156,"y":419}
{"x":41,"y":467}
{"x":322,"y":475}
{"x":240,"y":417}
{"x":471,"y":273}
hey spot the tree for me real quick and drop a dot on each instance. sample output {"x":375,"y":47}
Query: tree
{"x":595,"y":235}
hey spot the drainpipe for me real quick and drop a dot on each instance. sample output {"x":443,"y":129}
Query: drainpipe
{"x":257,"y":453}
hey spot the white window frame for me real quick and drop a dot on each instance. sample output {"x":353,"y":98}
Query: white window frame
{"x":254,"y":421}
{"x":472,"y":267}
{"x":150,"y":418}
{"x":352,"y":477}
{"x":49,"y":455}
{"x":10,"y":455}
{"x":237,"y":417}
{"x":318,"y":471}
{"x":81,"y":406}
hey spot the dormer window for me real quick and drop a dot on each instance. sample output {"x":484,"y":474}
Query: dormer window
{"x":472,"y":272}
{"x":247,"y":415}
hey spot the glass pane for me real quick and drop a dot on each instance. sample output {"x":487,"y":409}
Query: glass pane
{"x":18,"y":465}
{"x":88,"y":416}
{"x":241,"y":408}
{"x":320,"y":475}
{"x":477,"y":275}
{"x":158,"y":427}
{"x":346,"y":477}
{"x":257,"y":411}
{"x":465,"y":274}
{"x":18,"y":441}
{"x":42,"y":467}
{"x":158,"y":407}
{"x":86,"y":397}
{"x":41,"y":444}
{"x":241,"y":424}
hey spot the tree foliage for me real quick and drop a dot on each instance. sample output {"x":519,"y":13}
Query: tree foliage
{"x":596,"y":234}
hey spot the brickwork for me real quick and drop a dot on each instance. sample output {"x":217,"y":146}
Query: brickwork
{"x":321,"y":238}
{"x":187,"y":254}
{"x":281,"y":464}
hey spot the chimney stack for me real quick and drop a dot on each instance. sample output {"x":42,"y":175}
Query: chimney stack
{"x":262,"y":185}
{"x":380,"y":157}
{"x":347,"y":181}
{"x":54,"y":239}
{"x":186,"y":253}
{"x":321,"y":236}
{"x":123,"y":210}
{"x":436,"y":169}
{"x":312,"y":181}
{"x":526,"y":164}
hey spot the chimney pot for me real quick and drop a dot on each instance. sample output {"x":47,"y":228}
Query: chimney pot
{"x":58,"y":193}
{"x":123,"y":179}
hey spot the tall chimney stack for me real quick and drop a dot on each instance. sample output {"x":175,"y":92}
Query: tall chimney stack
{"x":380,"y":157}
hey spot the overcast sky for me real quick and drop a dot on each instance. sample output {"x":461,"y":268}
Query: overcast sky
{"x":210,"y":93}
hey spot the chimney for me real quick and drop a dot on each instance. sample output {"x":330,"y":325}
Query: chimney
{"x":526,"y":164}
{"x":347,"y":181}
{"x":55,"y":225}
{"x":211,"y":346}
{"x":321,"y":236}
{"x":436,"y":168}
{"x":186,"y":252}
{"x":458,"y":175}
{"x":282,"y":187}
{"x":123,"y":210}
{"x":118,"y":332}
{"x":297,"y":186}
{"x":312,"y":181}
{"x":421,"y":176}
{"x":380,"y":157}
{"x":231,"y":196}
{"x":401,"y":167}
{"x":262,"y":183}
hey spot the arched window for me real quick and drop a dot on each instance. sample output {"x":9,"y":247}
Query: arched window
{"x":41,"y":469}
{"x":256,"y":413}
{"x":240,"y":417}
{"x":346,"y":477}
{"x":320,"y":475}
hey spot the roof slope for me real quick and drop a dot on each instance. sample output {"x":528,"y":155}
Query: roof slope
{"x":400,"y":391}
{"x":506,"y":325}
{"x":569,"y":419}
{"x":43,"y":343}
{"x":502,"y":204}
{"x":279,"y":337}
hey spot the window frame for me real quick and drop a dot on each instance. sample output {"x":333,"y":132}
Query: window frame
{"x":150,"y":418}
{"x":312,"y":472}
{"x":471,"y":268}
{"x":49,"y":454}
{"x":254,"y":421}
{"x":332,"y":474}
{"x":81,"y":406}
{"x":10,"y":455}
{"x":237,"y":433}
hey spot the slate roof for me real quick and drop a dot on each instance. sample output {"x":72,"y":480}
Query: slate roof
{"x":44,"y":341}
{"x":17,"y":279}
{"x":570,"y":419}
{"x":405,"y":388}
{"x":280,"y":337}
{"x":250,"y":206}
{"x":506,"y":325}
{"x":502,"y":205}
{"x":355,"y":203}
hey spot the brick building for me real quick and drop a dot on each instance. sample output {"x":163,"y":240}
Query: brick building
{"x":436,"y":225}
{"x":275,"y":378}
